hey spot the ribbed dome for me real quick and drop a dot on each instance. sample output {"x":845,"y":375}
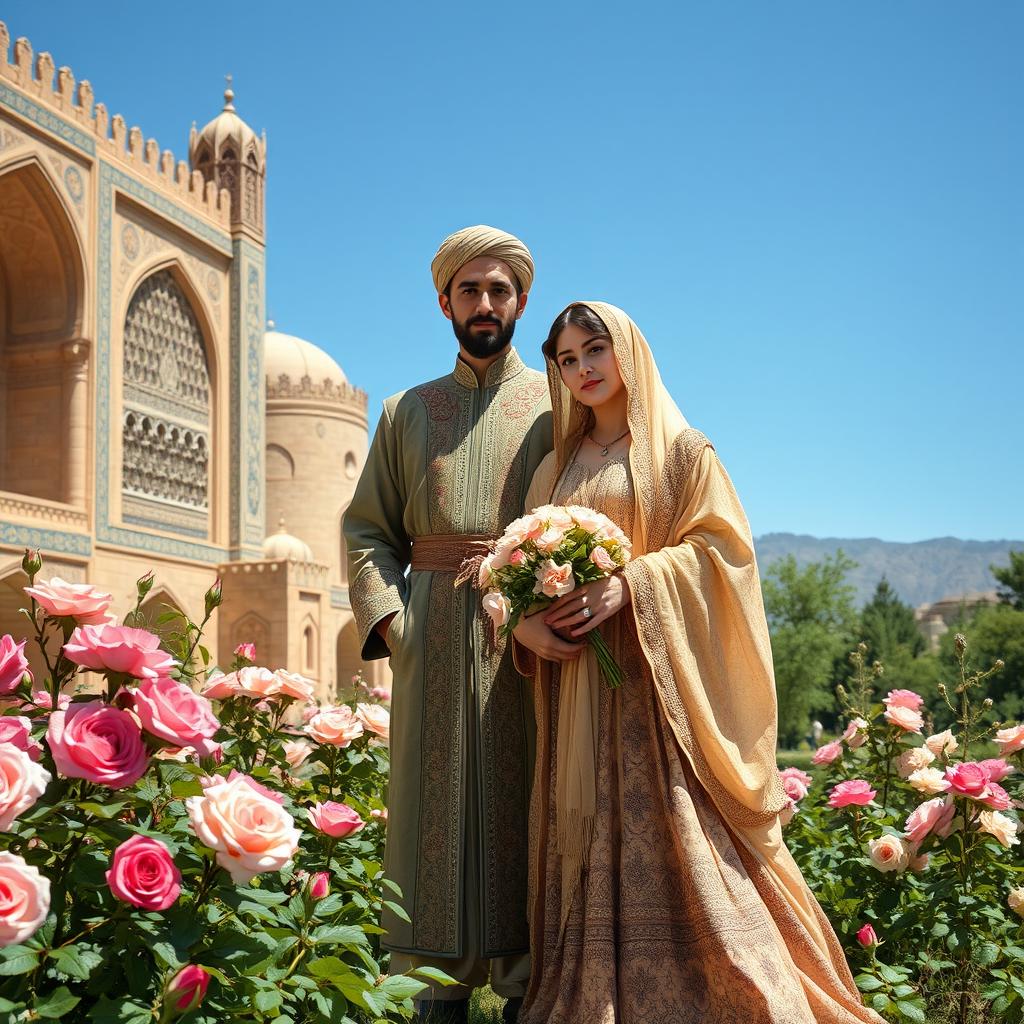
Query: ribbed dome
{"x":227,"y":131}
{"x":284,"y":545}
{"x":284,"y":354}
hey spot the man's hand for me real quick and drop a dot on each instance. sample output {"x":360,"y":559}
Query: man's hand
{"x":603,"y":598}
{"x":533,"y":632}
{"x":383,"y":626}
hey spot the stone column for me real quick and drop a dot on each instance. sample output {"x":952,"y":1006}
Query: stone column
{"x":75,"y":390}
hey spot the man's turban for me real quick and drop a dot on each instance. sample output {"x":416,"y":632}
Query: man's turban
{"x":457,"y":250}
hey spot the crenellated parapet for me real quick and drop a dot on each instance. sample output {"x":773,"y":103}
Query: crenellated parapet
{"x":36,"y":76}
{"x":326,"y":390}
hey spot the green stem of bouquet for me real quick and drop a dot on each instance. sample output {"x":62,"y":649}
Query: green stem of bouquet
{"x":609,"y":667}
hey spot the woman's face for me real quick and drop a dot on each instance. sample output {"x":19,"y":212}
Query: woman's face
{"x":588,"y":366}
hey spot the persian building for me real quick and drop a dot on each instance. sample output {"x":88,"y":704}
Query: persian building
{"x":147,"y":418}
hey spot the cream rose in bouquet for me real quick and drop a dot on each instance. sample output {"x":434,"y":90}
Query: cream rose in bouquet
{"x":544,"y":556}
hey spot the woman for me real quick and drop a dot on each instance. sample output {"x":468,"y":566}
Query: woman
{"x":661,"y":890}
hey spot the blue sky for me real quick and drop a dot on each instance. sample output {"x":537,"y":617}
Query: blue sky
{"x":814,"y":211}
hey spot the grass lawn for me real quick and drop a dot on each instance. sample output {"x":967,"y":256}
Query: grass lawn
{"x":794,"y":759}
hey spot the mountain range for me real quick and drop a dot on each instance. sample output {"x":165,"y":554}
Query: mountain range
{"x":920,"y":572}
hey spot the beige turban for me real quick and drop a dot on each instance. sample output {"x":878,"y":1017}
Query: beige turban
{"x":457,"y":250}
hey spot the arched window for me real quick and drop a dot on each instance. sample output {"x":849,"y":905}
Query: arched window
{"x":166,"y":410}
{"x":309,"y":651}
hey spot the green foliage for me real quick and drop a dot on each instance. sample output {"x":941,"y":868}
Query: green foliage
{"x":1012,"y":579}
{"x":887,"y":625}
{"x":951,"y":947}
{"x":811,"y":618}
{"x":273,"y":951}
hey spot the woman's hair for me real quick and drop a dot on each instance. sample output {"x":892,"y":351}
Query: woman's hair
{"x":579,"y":315}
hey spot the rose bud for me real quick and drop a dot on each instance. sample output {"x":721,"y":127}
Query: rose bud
{"x":144,"y":584}
{"x":320,"y":885}
{"x":867,"y":937}
{"x":31,"y":563}
{"x":185,"y":991}
{"x":213,"y":596}
{"x":335,"y":819}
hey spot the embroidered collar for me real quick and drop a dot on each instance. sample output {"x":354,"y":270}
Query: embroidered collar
{"x":502,"y":369}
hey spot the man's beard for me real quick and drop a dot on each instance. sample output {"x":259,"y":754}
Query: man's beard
{"x":482,"y":344}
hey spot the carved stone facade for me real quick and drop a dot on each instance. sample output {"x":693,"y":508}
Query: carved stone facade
{"x":136,"y":419}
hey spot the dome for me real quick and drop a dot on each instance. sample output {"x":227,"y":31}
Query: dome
{"x":282,"y":545}
{"x":227,"y":131}
{"x":286,"y":355}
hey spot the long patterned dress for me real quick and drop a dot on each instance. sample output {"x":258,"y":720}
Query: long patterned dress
{"x":674,"y":922}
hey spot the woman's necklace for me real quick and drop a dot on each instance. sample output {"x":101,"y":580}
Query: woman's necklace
{"x":604,"y":447}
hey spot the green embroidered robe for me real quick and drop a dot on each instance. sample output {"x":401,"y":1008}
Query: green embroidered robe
{"x":450,"y":457}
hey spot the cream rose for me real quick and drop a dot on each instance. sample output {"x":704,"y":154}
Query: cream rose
{"x":587,"y":519}
{"x":942,"y":743}
{"x":1003,"y":827}
{"x":889,"y":853}
{"x":337,"y":726}
{"x":600,"y":557}
{"x":497,"y":607}
{"x":375,"y":719}
{"x":904,"y":718}
{"x":249,"y":832}
{"x":912,"y":760}
{"x":554,"y":580}
{"x":1015,"y":901}
{"x":291,"y":684}
{"x":1010,"y":740}
{"x":928,"y":780}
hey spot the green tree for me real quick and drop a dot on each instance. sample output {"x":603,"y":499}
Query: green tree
{"x":887,"y":625}
{"x":1012,"y":579}
{"x":811,"y":618}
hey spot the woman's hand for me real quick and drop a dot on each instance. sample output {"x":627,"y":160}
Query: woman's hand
{"x":533,"y":633}
{"x":588,"y":606}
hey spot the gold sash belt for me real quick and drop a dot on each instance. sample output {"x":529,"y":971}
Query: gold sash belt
{"x":446,"y":552}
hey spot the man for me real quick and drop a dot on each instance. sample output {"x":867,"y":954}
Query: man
{"x":447,"y":471}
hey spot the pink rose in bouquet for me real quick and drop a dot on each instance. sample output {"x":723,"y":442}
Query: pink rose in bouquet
{"x":855,"y":792}
{"x":17,"y":731}
{"x":143,"y":873}
{"x":120,"y":649}
{"x":320,"y":885}
{"x":171,"y":711}
{"x":335,"y":819}
{"x":13,"y":663}
{"x":22,"y":783}
{"x":24,"y":899}
{"x":79,"y":601}
{"x":99,"y":743}
{"x":544,"y":556}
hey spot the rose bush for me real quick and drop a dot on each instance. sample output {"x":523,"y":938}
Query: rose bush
{"x":909,"y":838}
{"x":168,"y":854}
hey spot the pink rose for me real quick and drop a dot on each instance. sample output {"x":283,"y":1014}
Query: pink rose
{"x":291,"y":684}
{"x":787,"y":812}
{"x":855,"y":734}
{"x":969,"y":779}
{"x":24,"y":899}
{"x":336,"y":726}
{"x":79,"y":601}
{"x":919,"y":863}
{"x":257,"y":787}
{"x":22,"y":783}
{"x":381,"y":813}
{"x":828,"y":753}
{"x":504,"y":548}
{"x":187,"y":988}
{"x":483,"y":575}
{"x":247,"y":651}
{"x":320,"y":885}
{"x":42,"y":699}
{"x":221,"y":687}
{"x":998,"y":768}
{"x":889,"y":853}
{"x":17,"y":730}
{"x":97,"y":742}
{"x":587,"y":519}
{"x":998,"y":799}
{"x":600,"y":557}
{"x":554,"y":580}
{"x":904,"y":718}
{"x":550,"y":540}
{"x":903,"y":699}
{"x":296,"y":751}
{"x":143,"y":873}
{"x":795,"y":782}
{"x":866,"y":936}
{"x":121,"y":649}
{"x":258,"y":683}
{"x":375,"y":719}
{"x":1011,"y":739}
{"x":855,"y":792}
{"x":335,"y":819}
{"x":497,"y":607}
{"x":935,"y":815}
{"x":171,"y":711}
{"x":381,"y":693}
{"x":517,"y":557}
{"x":249,"y":832}
{"x":13,"y":663}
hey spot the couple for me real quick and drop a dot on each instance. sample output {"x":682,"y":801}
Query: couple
{"x":670,"y":898}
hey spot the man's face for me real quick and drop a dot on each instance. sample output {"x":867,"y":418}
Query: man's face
{"x":483,"y":306}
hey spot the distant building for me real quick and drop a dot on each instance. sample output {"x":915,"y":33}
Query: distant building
{"x":147,"y":419}
{"x":936,"y":619}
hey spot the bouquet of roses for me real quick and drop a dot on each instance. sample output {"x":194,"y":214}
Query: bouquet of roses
{"x":545,"y":555}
